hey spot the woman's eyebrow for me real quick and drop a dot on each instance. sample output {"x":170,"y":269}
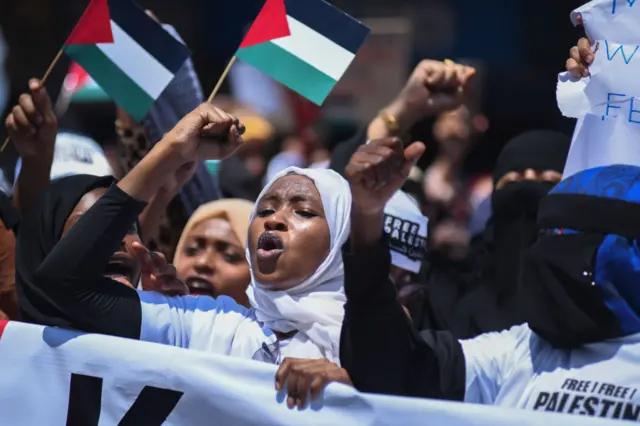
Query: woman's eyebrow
{"x":298,"y":198}
{"x":271,"y":197}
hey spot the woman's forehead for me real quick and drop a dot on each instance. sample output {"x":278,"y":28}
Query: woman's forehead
{"x":293,"y":185}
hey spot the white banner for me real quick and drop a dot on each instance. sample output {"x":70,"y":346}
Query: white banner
{"x":55,"y":377}
{"x":608,"y":102}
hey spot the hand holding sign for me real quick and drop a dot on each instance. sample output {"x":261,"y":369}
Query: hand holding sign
{"x":601,"y":87}
{"x":307,"y":378}
{"x":581,"y":57}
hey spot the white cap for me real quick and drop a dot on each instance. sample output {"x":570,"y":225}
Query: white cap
{"x":76,"y":155}
{"x":406,"y":228}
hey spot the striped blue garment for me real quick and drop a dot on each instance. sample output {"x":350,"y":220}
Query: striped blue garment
{"x":182,"y":96}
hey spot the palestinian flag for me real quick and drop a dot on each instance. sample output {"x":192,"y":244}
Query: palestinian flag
{"x":129,"y":55}
{"x":307,"y":45}
{"x":80,"y":87}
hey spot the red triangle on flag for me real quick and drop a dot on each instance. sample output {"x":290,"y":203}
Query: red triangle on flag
{"x":270,"y":24}
{"x":76,"y":78}
{"x":94,"y":26}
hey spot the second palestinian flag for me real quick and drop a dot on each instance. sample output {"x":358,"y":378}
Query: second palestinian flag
{"x":307,"y":45}
{"x":129,"y":55}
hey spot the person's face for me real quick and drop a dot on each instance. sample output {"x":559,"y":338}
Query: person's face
{"x":289,"y":236}
{"x":213,"y":263}
{"x":530,"y":175}
{"x":124,"y":266}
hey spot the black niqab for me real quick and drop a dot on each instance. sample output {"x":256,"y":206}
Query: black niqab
{"x":478,"y":295}
{"x":41,"y":227}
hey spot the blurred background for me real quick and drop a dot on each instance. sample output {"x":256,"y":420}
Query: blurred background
{"x":519,"y":47}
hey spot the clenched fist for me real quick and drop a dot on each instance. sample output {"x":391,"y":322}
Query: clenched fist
{"x":432,"y":88}
{"x":377,"y":170}
{"x":206,"y":133}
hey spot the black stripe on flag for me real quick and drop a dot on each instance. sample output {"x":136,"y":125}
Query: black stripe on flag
{"x":329,"y":21}
{"x":149,"y":34}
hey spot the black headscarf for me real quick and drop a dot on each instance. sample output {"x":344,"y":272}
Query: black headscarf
{"x":478,"y":294}
{"x":580,"y":279}
{"x":41,"y":228}
{"x":511,"y":230}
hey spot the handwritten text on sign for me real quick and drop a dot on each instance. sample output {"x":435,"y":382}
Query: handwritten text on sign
{"x":608,"y":102}
{"x":613,"y":86}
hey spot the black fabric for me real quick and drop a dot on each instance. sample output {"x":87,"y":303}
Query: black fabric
{"x":537,"y":149}
{"x":378,"y":346}
{"x":605,"y":215}
{"x":447,"y":283}
{"x":43,"y":226}
{"x":510,"y":232}
{"x":8,"y":214}
{"x":479,"y":294}
{"x":59,"y":279}
{"x":557,"y":294}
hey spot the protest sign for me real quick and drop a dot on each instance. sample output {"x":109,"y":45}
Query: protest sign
{"x":55,"y":377}
{"x":608,"y":101}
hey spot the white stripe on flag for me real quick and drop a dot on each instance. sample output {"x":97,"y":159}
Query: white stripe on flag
{"x":315,"y":49}
{"x":136,"y":62}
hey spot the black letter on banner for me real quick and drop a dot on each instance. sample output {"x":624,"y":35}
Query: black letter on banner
{"x":152,"y":407}
{"x":85,"y":397}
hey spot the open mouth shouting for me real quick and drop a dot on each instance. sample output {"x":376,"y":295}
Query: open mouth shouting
{"x":200,"y":286}
{"x":270,"y":247}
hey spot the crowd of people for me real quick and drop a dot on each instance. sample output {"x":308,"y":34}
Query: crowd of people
{"x":320,"y":261}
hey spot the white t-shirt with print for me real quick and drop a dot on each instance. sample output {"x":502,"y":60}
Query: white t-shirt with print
{"x":518,"y":369}
{"x":220,"y":326}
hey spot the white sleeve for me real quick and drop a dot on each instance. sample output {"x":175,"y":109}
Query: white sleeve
{"x":170,"y":320}
{"x":490,"y":358}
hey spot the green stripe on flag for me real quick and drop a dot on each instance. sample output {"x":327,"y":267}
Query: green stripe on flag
{"x":289,"y":70}
{"x":123,"y":90}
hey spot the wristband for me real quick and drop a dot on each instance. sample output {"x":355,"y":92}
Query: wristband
{"x":390,"y":121}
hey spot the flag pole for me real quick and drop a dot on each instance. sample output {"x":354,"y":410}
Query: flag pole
{"x":221,"y":79}
{"x":42,"y":82}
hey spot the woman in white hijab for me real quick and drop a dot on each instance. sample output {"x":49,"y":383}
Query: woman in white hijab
{"x":301,"y":220}
{"x":296,"y":234}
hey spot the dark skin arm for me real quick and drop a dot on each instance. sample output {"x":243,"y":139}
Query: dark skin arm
{"x":32,"y":126}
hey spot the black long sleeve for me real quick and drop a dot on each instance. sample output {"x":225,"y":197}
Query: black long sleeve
{"x":70,"y":283}
{"x":379,"y":348}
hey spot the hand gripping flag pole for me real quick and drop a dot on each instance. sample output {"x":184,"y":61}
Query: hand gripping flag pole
{"x":43,"y":80}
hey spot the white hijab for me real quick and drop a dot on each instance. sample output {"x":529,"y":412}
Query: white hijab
{"x":315,"y":307}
